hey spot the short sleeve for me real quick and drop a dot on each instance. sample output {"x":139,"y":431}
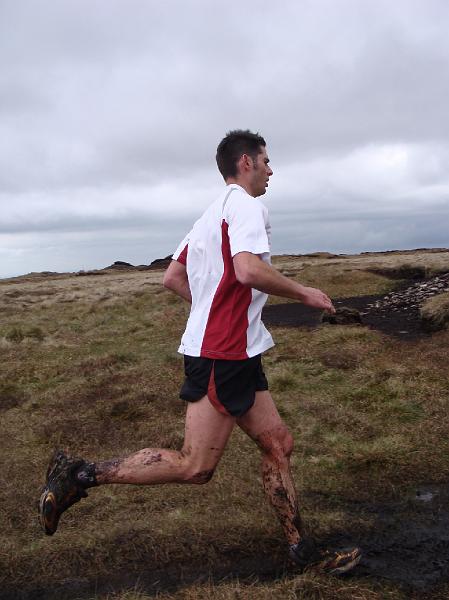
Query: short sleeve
{"x":247,"y":220}
{"x":180,"y":254}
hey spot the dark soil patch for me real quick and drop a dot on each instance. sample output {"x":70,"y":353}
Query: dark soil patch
{"x":406,"y":543}
{"x":405,"y":324}
{"x":412,"y":272}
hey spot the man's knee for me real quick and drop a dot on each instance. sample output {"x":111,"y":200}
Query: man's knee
{"x":288,"y":443}
{"x":193,"y":466}
{"x":277,"y":443}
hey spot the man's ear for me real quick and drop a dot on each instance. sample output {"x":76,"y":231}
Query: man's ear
{"x":245,"y":162}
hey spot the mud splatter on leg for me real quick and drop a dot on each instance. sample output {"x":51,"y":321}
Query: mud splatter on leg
{"x":107,"y":470}
{"x":153,"y":457}
{"x":150,"y":466}
{"x":278,"y":485}
{"x":202,"y":477}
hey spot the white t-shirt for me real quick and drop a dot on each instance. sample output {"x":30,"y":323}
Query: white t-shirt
{"x":225,"y":317}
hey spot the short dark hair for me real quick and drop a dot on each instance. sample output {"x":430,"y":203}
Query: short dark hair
{"x":231,"y":148}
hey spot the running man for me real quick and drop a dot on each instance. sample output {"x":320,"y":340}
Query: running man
{"x":223,"y":268}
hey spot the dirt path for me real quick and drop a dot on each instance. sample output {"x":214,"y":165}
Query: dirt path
{"x":405,"y":325}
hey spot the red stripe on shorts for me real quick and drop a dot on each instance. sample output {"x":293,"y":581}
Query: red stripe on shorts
{"x":212,"y":394}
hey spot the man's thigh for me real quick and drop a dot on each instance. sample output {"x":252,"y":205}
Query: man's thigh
{"x":206,"y":433}
{"x":262,"y":417}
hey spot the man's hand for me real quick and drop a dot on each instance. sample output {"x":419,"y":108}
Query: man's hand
{"x":317,"y":299}
{"x":251,"y":270}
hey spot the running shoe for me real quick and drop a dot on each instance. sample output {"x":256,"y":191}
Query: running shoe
{"x":308,"y":557}
{"x":62,"y":489}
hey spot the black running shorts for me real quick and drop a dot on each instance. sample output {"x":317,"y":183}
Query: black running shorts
{"x":230,"y":385}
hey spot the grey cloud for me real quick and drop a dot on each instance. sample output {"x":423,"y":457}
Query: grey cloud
{"x":115,"y":109}
{"x":357,"y":233}
{"x":75,"y":223}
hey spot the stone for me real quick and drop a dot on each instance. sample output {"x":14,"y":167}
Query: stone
{"x":343,"y":316}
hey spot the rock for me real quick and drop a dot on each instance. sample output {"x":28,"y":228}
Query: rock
{"x":343,"y":316}
{"x":161,"y":263}
{"x":118,"y":265}
{"x":412,"y":298}
{"x":121,"y":264}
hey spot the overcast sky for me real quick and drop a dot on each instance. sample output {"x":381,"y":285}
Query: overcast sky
{"x":110,"y":114}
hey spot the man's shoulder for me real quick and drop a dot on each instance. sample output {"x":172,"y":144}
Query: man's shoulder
{"x":233,"y":201}
{"x":240,"y":201}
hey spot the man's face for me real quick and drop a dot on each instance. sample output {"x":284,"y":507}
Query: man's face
{"x":261,"y":173}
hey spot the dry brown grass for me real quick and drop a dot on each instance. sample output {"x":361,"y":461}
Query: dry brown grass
{"x":435,"y":312}
{"x":100,"y":376}
{"x":429,"y":261}
{"x":306,"y":587}
{"x":26,"y":292}
{"x":359,"y":275}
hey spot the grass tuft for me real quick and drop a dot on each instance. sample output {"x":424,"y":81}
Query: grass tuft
{"x":15,"y":335}
{"x":435,"y":312}
{"x":11,"y":395}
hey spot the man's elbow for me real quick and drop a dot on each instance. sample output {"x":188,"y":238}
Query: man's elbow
{"x":168,"y":280}
{"x":244,"y":277}
{"x":244,"y":272}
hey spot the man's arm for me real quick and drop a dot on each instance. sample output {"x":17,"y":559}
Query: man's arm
{"x":176,"y":280}
{"x":252,"y":271}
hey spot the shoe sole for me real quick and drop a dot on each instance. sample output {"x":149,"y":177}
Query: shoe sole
{"x":347,"y":567}
{"x":350,"y":561}
{"x":47,"y":508}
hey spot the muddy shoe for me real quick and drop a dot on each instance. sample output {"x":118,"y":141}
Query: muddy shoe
{"x":308,"y":557}
{"x":61,"y":490}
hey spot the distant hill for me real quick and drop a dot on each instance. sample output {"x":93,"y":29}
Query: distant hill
{"x":162,"y":263}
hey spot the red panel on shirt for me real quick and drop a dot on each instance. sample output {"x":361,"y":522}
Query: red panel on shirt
{"x":182,"y":258}
{"x":225,"y":334}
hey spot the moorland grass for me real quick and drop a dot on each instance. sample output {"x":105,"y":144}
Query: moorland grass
{"x":368,"y":414}
{"x":435,"y":312}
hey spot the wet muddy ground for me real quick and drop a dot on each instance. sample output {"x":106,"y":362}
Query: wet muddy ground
{"x":411,"y":547}
{"x":405,"y":325}
{"x":406,"y":543}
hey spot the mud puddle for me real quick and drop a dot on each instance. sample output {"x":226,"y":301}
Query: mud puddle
{"x":406,"y":543}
